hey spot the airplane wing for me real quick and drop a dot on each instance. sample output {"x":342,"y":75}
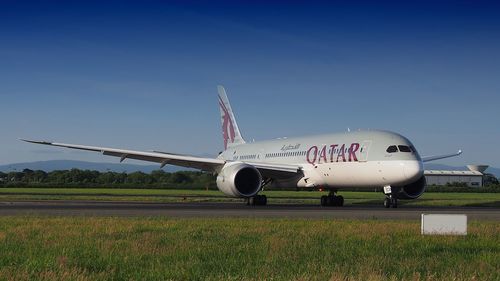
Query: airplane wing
{"x":437,"y":157}
{"x":206,"y":164}
{"x":273,"y":170}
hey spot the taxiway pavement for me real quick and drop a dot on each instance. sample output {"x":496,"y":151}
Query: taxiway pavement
{"x":184,"y":210}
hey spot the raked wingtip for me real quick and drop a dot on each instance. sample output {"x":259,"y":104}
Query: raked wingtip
{"x":34,"y":141}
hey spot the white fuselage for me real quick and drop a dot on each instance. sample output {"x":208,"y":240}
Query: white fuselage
{"x":360,"y":159}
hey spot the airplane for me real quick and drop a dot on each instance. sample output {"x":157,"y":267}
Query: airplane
{"x":368,"y":159}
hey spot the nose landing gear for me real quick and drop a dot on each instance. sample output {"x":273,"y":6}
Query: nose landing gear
{"x":390,"y":199}
{"x":390,"y":202}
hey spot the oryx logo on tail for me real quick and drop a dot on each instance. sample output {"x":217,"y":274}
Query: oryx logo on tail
{"x":227,"y":124}
{"x":230,"y":131}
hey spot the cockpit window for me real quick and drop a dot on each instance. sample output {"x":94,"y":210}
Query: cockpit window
{"x":392,"y":149}
{"x":404,"y":148}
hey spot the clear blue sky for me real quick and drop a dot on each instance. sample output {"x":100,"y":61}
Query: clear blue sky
{"x":144,"y":75}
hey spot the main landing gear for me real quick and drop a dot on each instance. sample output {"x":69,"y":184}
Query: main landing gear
{"x":257,"y":200}
{"x":390,"y":199}
{"x":332,"y":200}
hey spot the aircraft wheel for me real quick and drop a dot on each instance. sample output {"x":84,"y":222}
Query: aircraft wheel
{"x":330,"y":200}
{"x":263,"y":200}
{"x":258,"y":200}
{"x":335,"y":201}
{"x":324,"y":200}
{"x":340,"y":200}
{"x":387,"y":203}
{"x":394,"y":203}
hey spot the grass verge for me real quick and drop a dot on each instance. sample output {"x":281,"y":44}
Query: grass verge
{"x":36,"y":248}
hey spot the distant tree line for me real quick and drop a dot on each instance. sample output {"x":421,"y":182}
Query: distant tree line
{"x":460,"y":187}
{"x":155,"y":179}
{"x":88,"y":178}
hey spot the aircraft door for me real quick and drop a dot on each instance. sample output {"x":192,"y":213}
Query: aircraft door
{"x":363,"y":151}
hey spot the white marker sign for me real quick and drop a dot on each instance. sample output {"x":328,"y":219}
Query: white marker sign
{"x":444,"y":224}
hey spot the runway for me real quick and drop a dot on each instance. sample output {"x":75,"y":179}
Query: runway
{"x":186,"y":210}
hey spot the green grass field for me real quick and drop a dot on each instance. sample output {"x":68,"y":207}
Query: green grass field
{"x":40,"y":248}
{"x":174,"y":195}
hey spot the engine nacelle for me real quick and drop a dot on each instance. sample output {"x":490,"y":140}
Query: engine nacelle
{"x":239,"y":180}
{"x":412,"y":190}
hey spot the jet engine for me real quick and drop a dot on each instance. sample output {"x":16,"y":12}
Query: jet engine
{"x":412,"y":190}
{"x":239,"y":180}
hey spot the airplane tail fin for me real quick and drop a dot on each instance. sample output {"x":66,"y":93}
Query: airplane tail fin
{"x":230,"y":131}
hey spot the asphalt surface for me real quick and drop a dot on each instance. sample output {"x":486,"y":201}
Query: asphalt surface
{"x":184,"y":210}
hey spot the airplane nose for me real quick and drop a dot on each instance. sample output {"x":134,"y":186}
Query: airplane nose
{"x":413,"y":169}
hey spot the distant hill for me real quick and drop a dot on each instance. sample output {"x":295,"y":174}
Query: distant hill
{"x":432,"y":166}
{"x":52,"y":165}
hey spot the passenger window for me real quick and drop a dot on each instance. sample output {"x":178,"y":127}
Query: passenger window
{"x":404,"y":148}
{"x":392,"y":149}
